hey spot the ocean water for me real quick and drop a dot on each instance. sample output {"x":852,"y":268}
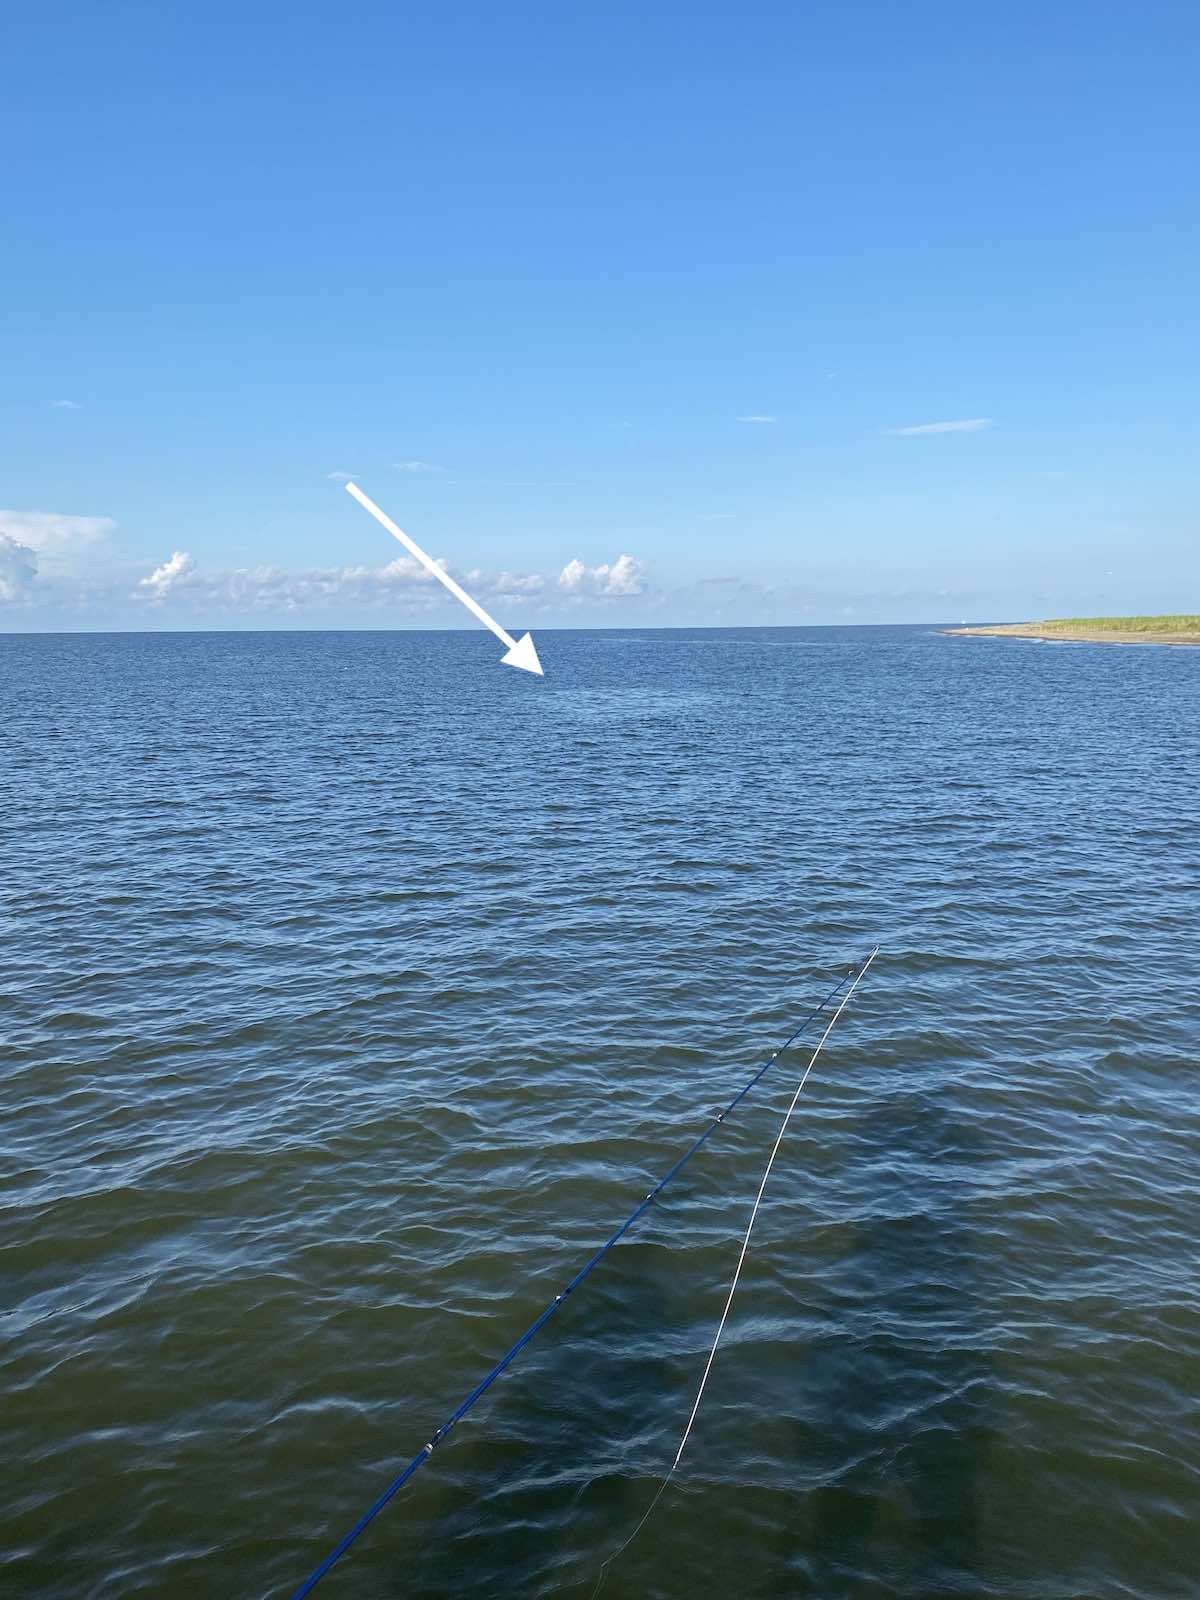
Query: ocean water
{"x":354,"y":987}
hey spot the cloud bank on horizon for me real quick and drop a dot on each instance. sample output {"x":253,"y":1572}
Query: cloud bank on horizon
{"x":39,"y":567}
{"x":18,"y":568}
{"x":42,"y":544}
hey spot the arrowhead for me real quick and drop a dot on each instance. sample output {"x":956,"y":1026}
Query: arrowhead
{"x":523,"y":655}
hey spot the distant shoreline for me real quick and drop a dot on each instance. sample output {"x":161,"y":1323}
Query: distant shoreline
{"x":1131,"y":630}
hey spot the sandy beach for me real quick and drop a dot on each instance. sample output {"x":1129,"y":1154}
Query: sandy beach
{"x":1082,"y":633}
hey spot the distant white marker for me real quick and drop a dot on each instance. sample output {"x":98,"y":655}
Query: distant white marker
{"x":521,"y":652}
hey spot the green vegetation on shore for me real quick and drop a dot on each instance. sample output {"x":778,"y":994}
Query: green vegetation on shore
{"x":1124,"y":624}
{"x":1098,"y":630}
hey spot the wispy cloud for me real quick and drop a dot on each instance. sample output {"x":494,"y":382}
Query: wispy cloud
{"x":341,"y":477}
{"x":417,"y":466}
{"x":623,"y":577}
{"x":505,"y":583}
{"x":967,"y":425}
{"x":52,"y":533}
{"x":757,"y":419}
{"x":65,"y":405}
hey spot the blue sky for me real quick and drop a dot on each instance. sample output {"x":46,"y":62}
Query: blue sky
{"x":634,"y":314}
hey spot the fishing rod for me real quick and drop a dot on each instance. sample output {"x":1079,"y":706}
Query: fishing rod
{"x":737,"y":1273}
{"x":539,"y":1322}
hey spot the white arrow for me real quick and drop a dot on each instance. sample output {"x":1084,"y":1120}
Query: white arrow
{"x":521,"y":652}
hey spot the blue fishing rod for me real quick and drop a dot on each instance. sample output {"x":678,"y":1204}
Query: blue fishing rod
{"x":539,"y":1322}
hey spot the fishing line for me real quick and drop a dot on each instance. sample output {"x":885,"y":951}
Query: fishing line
{"x":787,"y":1117}
{"x":539,"y":1322}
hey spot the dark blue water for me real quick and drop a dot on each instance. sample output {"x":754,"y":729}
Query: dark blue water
{"x":354,"y":986}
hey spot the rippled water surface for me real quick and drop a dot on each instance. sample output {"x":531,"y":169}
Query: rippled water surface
{"x":353,"y":987}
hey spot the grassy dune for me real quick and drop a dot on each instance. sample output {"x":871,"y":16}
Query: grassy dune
{"x":1181,"y":624}
{"x":1181,"y":629}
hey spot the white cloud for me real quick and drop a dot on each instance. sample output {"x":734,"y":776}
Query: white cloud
{"x":480,"y":582}
{"x":968,"y":425}
{"x":170,"y":576}
{"x":65,"y":405}
{"x":402,"y":571}
{"x":269,"y":588}
{"x":52,"y":534}
{"x":416,"y":466}
{"x":623,"y":577}
{"x":43,"y":543}
{"x":341,"y":477}
{"x":756,"y":419}
{"x":403,"y":584}
{"x":18,"y":568}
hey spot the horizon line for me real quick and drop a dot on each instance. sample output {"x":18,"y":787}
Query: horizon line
{"x":681,"y":627}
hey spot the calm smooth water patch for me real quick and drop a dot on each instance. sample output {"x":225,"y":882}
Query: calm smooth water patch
{"x":353,"y":987}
